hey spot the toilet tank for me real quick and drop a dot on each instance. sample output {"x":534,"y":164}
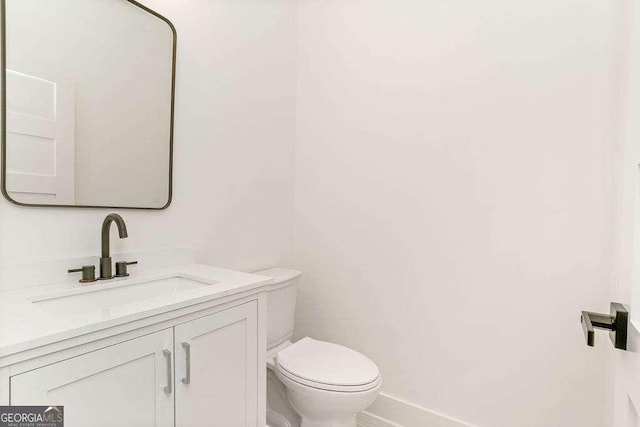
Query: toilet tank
{"x":281,"y":304}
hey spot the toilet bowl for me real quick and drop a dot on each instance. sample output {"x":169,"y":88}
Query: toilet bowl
{"x":311,"y":383}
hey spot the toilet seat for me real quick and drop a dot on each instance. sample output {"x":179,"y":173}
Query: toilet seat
{"x":326,"y":366}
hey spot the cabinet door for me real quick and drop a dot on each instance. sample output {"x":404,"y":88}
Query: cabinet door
{"x":217,"y":369}
{"x":124,"y":385}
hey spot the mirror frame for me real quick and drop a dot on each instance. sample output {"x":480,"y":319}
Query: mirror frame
{"x":3,"y":115}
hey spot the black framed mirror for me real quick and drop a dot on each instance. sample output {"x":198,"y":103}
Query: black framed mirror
{"x":87,"y":101}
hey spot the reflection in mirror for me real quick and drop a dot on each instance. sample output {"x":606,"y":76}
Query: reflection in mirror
{"x":89,"y":103}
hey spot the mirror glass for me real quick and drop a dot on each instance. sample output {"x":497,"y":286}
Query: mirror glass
{"x":88,"y":103}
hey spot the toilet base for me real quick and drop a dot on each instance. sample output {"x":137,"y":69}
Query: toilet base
{"x":323,"y":408}
{"x":279,"y":411}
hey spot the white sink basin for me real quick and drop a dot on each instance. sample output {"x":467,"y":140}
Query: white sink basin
{"x":105,"y":295}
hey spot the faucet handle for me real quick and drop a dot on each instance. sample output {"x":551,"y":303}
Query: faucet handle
{"x":88,"y":273}
{"x":121,"y":268}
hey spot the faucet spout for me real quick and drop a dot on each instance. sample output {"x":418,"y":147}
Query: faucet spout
{"x":105,"y":260}
{"x":106,"y":228}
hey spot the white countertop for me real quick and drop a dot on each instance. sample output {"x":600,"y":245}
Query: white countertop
{"x":25,"y":325}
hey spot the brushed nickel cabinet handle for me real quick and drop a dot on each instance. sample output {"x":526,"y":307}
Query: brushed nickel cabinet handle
{"x":187,"y":353}
{"x":168,"y":388}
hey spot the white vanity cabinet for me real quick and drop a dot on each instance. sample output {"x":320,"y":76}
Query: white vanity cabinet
{"x":205,"y":369}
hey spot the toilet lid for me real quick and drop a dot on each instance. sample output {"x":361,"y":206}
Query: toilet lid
{"x":325,"y":365}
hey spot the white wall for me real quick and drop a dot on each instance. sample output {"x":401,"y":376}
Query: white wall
{"x":454,"y":198}
{"x":235,"y":113}
{"x":452,"y":189}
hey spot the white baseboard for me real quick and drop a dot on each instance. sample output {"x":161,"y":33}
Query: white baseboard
{"x":366,"y":419}
{"x":389,"y":411}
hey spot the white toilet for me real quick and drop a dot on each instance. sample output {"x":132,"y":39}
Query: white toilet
{"x":311,"y":383}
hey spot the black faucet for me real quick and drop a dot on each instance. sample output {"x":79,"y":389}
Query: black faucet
{"x":105,"y":260}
